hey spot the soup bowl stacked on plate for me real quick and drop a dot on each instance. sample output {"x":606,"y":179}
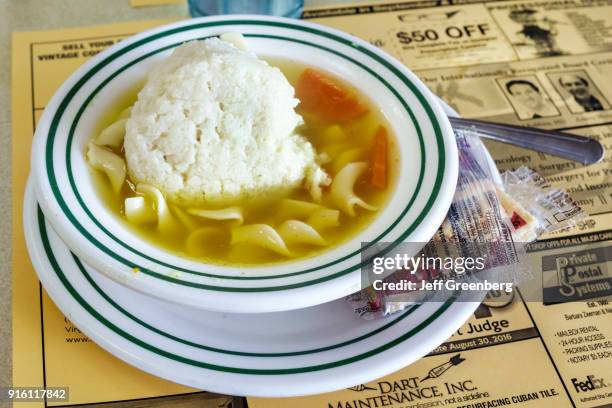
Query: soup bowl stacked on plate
{"x":273,"y":329}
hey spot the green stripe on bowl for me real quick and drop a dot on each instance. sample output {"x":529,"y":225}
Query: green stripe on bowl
{"x":81,"y":229}
{"x":146,"y":270}
{"x":201,"y":364}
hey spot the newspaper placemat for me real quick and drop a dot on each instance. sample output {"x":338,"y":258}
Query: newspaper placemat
{"x":530,"y":354}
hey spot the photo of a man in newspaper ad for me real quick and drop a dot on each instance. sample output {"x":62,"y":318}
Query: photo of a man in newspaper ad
{"x":528,"y":97}
{"x":579,"y":91}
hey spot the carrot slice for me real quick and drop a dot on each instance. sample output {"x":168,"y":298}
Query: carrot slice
{"x":320,"y":95}
{"x":378,"y":161}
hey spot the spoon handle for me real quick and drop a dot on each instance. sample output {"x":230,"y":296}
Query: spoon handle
{"x":578,"y":148}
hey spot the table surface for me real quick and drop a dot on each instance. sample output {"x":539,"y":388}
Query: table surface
{"x":23,"y":15}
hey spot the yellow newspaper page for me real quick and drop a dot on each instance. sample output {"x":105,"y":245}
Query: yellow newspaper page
{"x":47,"y":349}
{"x":537,"y":63}
{"x":497,"y":358}
{"x":551,"y":353}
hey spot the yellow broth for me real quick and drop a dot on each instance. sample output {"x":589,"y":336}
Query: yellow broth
{"x":214,"y":246}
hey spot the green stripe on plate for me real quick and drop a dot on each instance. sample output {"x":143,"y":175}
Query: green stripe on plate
{"x":201,"y":364}
{"x":392,"y":322}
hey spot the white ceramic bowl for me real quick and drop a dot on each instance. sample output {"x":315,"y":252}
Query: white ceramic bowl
{"x":70,"y":202}
{"x":308,"y":351}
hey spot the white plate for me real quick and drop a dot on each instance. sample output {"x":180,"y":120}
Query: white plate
{"x":426,"y":180}
{"x":308,"y":351}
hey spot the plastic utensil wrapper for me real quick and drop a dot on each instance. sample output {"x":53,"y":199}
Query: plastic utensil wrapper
{"x":488,"y":225}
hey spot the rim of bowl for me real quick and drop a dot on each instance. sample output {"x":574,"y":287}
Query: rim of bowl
{"x":345,"y":284}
